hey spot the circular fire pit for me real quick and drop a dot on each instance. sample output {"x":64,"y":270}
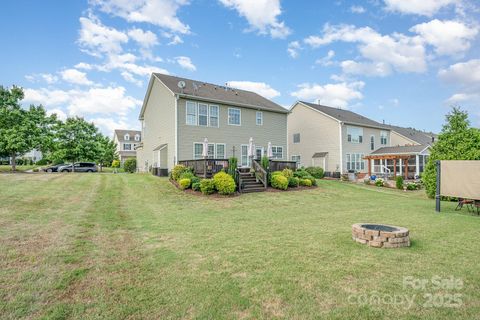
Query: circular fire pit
{"x":380,"y":235}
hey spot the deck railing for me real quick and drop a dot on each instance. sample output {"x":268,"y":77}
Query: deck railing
{"x":279,"y":165}
{"x":260,"y":173}
{"x":206,"y":168}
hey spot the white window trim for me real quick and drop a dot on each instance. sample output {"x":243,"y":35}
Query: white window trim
{"x":207,"y":115}
{"x":137,"y":137}
{"x":248,"y":160}
{"x":224,"y":150}
{"x":186,"y":113}
{"x":126,"y":137}
{"x":383,"y":134}
{"x":261,"y":118}
{"x":228,"y":117}
{"x":361,"y":161}
{"x":123,"y":147}
{"x":277,"y":148}
{"x":299,"y":162}
{"x":218,"y":115}
{"x":374,"y":142}
{"x":356,"y":142}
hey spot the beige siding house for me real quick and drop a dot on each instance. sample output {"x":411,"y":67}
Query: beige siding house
{"x":127,"y":141}
{"x":178,"y":114}
{"x":334,"y":139}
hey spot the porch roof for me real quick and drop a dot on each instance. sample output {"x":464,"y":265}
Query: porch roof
{"x":160,"y":147}
{"x":319,"y":154}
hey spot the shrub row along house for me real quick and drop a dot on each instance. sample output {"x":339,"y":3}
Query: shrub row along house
{"x":179,"y":115}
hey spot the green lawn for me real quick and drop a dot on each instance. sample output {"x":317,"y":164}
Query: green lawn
{"x":20,"y":168}
{"x":88,"y":246}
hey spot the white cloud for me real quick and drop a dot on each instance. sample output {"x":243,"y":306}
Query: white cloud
{"x":143,"y":38}
{"x":108,"y":125}
{"x":97,"y":39}
{"x":261,"y":88}
{"x":84,"y":66}
{"x":465,"y":76}
{"x":76,"y":77}
{"x":448,"y":37}
{"x":293,"y":48}
{"x":47,"y":77}
{"x":185,"y":63}
{"x":162,"y":13}
{"x":108,"y":100}
{"x":327,"y":60}
{"x":175,"y":39}
{"x":334,"y":95}
{"x":130,"y":78}
{"x":262,"y":15}
{"x":380,"y":69}
{"x":419,"y":7}
{"x":403,"y":53}
{"x":61,"y":115}
{"x":357,"y":9}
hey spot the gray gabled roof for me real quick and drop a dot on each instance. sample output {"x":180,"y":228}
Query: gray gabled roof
{"x":319,"y":154}
{"x":421,"y":137}
{"x":120,"y":133}
{"x":345,"y":116}
{"x":414,"y":149}
{"x":217,"y":93}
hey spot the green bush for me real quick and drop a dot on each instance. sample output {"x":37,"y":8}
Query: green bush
{"x":379,"y":182}
{"x":293,"y":182}
{"x":305,"y":182}
{"x":276,"y":173}
{"x":412,"y":186}
{"x":224,"y":183}
{"x":41,"y":162}
{"x":207,"y":186}
{"x":185,"y":183}
{"x":196,"y":186}
{"x":35,"y":170}
{"x":195,"y":179}
{"x":399,"y":182}
{"x":232,"y":166}
{"x":265,"y":162}
{"x":279,"y":182}
{"x":177,"y":171}
{"x":312,"y":180}
{"x":130,"y":165}
{"x":301,"y":173}
{"x":315,"y":172}
{"x":187,"y":175}
{"x":287,"y":173}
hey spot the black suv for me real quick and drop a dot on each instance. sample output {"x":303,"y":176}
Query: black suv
{"x":79,"y":167}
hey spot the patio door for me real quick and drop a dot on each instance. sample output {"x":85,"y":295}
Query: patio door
{"x":258,"y":153}
{"x":244,"y":160}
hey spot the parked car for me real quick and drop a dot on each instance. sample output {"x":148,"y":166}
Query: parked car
{"x":53,"y":168}
{"x":79,"y":167}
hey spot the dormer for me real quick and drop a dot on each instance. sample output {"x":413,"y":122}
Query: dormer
{"x":137,"y":137}
{"x":126,"y":137}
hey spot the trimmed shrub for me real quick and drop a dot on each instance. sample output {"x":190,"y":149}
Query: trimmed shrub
{"x":207,"y":186}
{"x":276,"y":173}
{"x":185,"y":183}
{"x":195,"y":179}
{"x":399,"y":182}
{"x":379,"y":182}
{"x":178,"y":170}
{"x":41,"y":162}
{"x":312,"y":180}
{"x":130,"y":165}
{"x":316,"y":172}
{"x":301,"y":173}
{"x":279,"y":182}
{"x":305,"y":182}
{"x":196,"y":186}
{"x":412,"y":186}
{"x":116,"y":164}
{"x":187,"y":175}
{"x":293,"y":182}
{"x":224,"y":183}
{"x":287,"y":173}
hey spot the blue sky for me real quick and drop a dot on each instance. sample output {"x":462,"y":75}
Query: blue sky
{"x":402,"y":61}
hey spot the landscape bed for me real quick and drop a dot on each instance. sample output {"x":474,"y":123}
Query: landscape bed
{"x":85,"y":246}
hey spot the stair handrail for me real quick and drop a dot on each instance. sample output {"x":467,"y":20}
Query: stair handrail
{"x":260,"y":173}
{"x":239,"y":181}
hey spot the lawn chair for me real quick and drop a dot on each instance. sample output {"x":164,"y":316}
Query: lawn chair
{"x":468,"y":203}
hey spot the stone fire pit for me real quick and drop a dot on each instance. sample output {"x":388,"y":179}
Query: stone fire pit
{"x":380,"y":235}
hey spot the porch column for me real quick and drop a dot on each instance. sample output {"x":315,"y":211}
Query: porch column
{"x":395,"y":168}
{"x":381,"y":165}
{"x":369,"y":167}
{"x":400,"y":165}
{"x":406,"y":168}
{"x":417,"y":165}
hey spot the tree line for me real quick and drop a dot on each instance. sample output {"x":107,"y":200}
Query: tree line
{"x":72,"y":140}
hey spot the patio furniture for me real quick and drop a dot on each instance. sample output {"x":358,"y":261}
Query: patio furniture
{"x":466,"y":202}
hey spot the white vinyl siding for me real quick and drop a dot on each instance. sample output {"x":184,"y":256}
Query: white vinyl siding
{"x":203,"y":114}
{"x":355,"y":161}
{"x":191,"y":113}
{"x":354,"y":134}
{"x":234,"y":116}
{"x":277,"y":152}
{"x":259,"y":118}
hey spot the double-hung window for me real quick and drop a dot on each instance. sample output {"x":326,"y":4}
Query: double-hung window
{"x":192,"y":113}
{"x":277,"y":152}
{"x":296,"y":138}
{"x":297,"y":160}
{"x":372,"y":142}
{"x":355,"y":134}
{"x":355,"y":161}
{"x":213,"y":116}
{"x":220,"y":152}
{"x":234,"y":116}
{"x":127,"y":146}
{"x":383,"y":138}
{"x":259,"y":118}
{"x":203,"y":114}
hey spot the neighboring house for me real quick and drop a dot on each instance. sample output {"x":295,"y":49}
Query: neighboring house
{"x":34,"y":155}
{"x":335,"y":139}
{"x":343,"y":141}
{"x":127,"y":141}
{"x":178,"y":114}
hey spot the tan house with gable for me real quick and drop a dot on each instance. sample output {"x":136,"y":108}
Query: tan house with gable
{"x":178,"y":114}
{"x":127,"y":141}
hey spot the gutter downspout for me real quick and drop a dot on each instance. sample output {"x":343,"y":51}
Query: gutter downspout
{"x":340,"y":124}
{"x":175,"y":159}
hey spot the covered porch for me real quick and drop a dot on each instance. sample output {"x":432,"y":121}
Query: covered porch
{"x":390,"y":162}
